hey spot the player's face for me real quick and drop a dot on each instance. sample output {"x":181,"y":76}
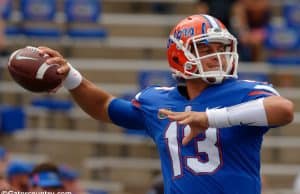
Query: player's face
{"x":23,"y":181}
{"x":211,"y":63}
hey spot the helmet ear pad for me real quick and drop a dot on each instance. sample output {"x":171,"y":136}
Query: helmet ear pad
{"x":177,"y":59}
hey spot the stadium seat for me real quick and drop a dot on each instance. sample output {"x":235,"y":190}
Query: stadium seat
{"x":54,"y":108}
{"x":6,"y":10}
{"x":155,"y":77}
{"x":52,"y":104}
{"x":12,"y":119}
{"x":291,"y":13}
{"x":282,"y":38}
{"x":283,"y":45}
{"x":39,"y":18}
{"x":262,"y":77}
{"x":83,"y":19}
{"x":284,"y":60}
{"x":94,"y":191}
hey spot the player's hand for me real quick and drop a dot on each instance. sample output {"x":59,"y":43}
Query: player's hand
{"x":197,"y":121}
{"x":56,"y":58}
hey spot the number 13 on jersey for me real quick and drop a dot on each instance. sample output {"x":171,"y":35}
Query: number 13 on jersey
{"x":208,"y":145}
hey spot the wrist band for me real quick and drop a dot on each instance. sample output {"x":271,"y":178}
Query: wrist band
{"x":73,"y":78}
{"x":250,"y":113}
{"x":218,"y":118}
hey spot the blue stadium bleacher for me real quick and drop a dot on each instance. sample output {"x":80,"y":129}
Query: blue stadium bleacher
{"x":83,"y":19}
{"x":93,"y":191}
{"x":283,"y":40}
{"x":53,"y":104}
{"x":155,"y":77}
{"x":39,"y":19}
{"x":12,"y":119}
{"x":39,"y":16}
{"x":257,"y":76}
{"x":291,"y":13}
{"x":6,"y":9}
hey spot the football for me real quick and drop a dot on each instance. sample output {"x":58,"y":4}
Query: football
{"x":28,"y":67}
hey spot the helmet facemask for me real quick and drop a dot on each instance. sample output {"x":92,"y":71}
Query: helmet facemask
{"x":227,"y":58}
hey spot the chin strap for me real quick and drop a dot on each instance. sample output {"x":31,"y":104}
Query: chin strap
{"x":213,"y":80}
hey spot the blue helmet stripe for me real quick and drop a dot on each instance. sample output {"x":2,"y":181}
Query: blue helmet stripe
{"x":212,"y":21}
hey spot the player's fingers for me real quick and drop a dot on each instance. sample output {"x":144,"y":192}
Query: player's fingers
{"x":166,"y":112}
{"x":189,"y":137}
{"x":64,"y":67}
{"x":186,"y":120}
{"x":49,"y":51}
{"x":57,"y":60}
{"x":178,"y":116}
{"x":191,"y":118}
{"x":172,"y":115}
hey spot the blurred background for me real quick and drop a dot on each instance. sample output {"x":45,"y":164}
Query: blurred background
{"x":121,"y":46}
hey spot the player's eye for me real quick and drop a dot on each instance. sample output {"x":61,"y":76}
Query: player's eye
{"x":204,"y":51}
{"x":221,"y":49}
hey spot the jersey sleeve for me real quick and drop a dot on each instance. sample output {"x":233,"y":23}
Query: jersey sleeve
{"x":125,"y":114}
{"x":260,"y":90}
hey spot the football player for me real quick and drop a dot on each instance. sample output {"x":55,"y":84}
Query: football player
{"x":209,"y":129}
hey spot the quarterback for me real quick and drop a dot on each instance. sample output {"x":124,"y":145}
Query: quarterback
{"x":209,"y":128}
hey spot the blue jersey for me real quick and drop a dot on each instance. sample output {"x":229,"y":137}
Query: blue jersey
{"x":217,"y":161}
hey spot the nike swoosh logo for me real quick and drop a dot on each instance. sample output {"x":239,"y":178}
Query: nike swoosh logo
{"x":241,"y":123}
{"x":20,"y":57}
{"x":218,"y":107}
